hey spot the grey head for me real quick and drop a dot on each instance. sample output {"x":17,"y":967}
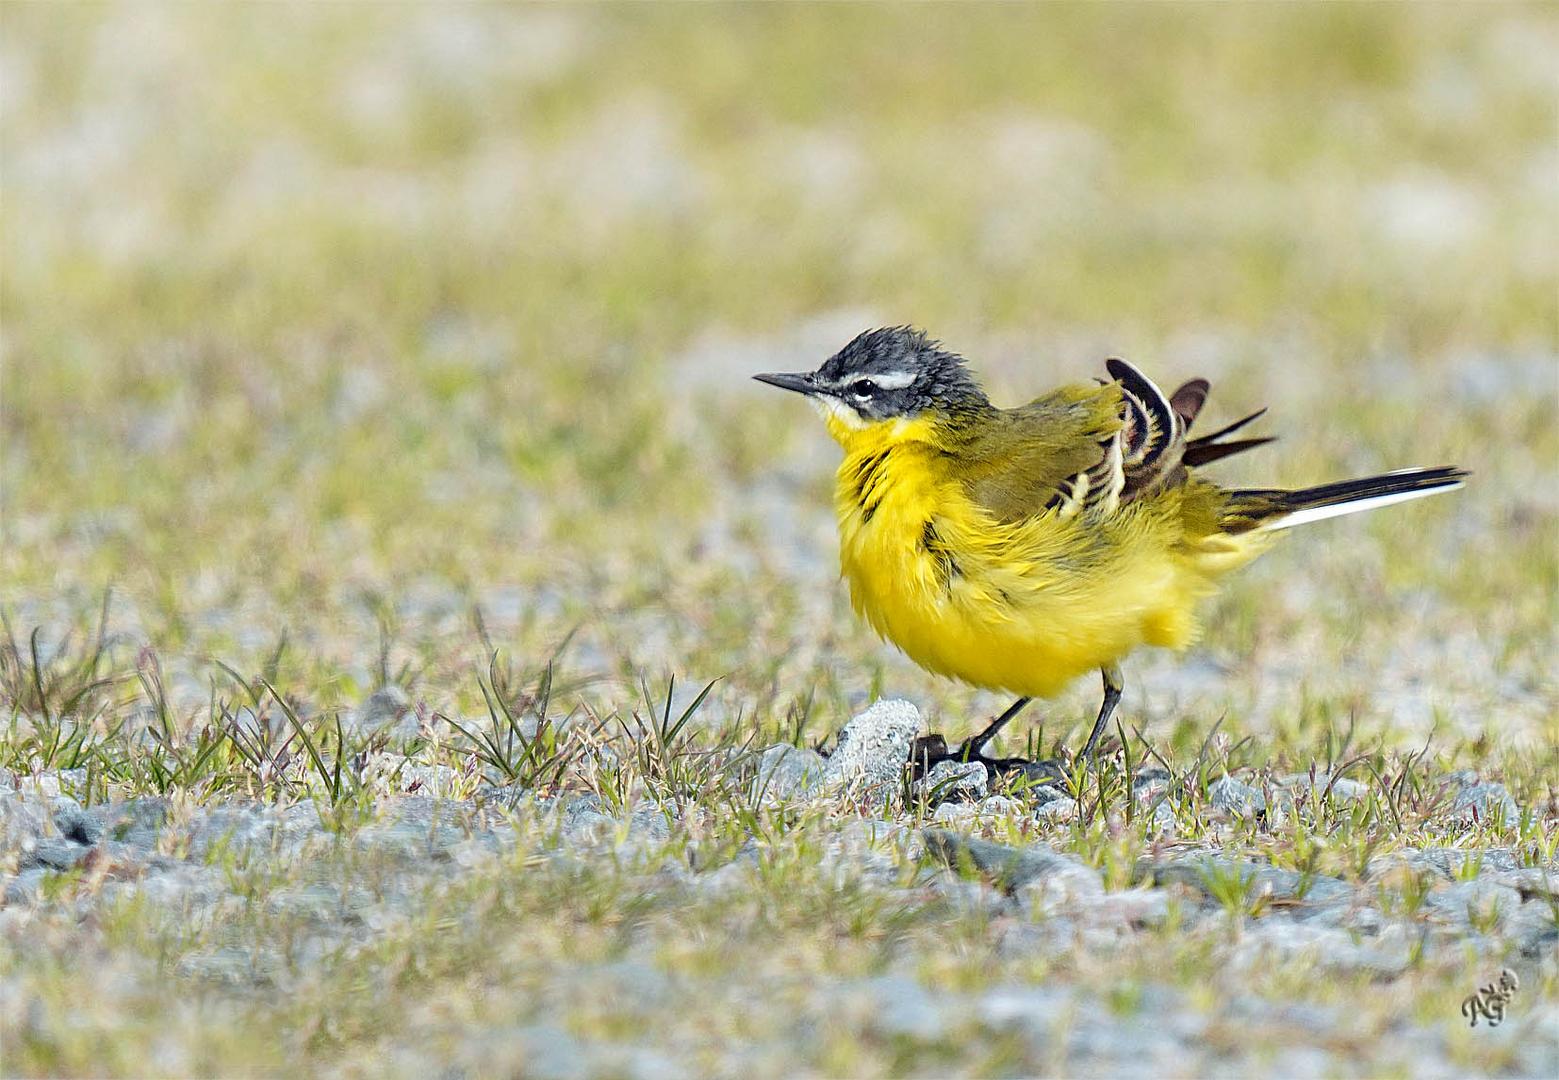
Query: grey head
{"x":887,"y":374}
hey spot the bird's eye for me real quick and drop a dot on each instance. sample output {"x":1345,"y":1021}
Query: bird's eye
{"x":863,"y":388}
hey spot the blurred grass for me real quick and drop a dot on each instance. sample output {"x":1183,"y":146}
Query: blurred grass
{"x":321,"y":321}
{"x":305,"y":306}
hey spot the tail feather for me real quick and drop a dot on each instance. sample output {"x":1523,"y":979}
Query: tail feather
{"x":1269,"y":510}
{"x":1200,"y":453}
{"x":1207,"y":449}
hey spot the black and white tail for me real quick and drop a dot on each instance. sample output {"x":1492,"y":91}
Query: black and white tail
{"x":1267,"y":510}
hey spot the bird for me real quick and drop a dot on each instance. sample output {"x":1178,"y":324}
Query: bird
{"x":1016,"y":550}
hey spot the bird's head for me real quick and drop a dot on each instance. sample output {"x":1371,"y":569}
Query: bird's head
{"x":892,"y":377}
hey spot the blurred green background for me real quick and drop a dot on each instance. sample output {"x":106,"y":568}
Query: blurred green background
{"x":337,"y":325}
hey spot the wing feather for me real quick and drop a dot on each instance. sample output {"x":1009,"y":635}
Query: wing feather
{"x":1091,"y":449}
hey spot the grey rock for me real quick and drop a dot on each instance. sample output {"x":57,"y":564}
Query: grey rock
{"x":957,"y":815}
{"x":649,"y":822}
{"x":1332,"y":948}
{"x":786,"y":771}
{"x":1229,"y":794}
{"x":1150,"y":776}
{"x":965,"y":815}
{"x":1534,"y":929}
{"x":316,"y":903}
{"x":1532,"y":882}
{"x":1163,"y":823}
{"x":1448,"y":863}
{"x":1343,"y":790}
{"x":1029,"y":1009}
{"x":1349,"y":791}
{"x":1071,"y":890}
{"x":554,"y":1054}
{"x":1201,"y":872}
{"x":949,"y":780}
{"x":897,"y":1005}
{"x":998,"y":806}
{"x":23,"y":821}
{"x":55,"y":855}
{"x":1062,"y":808}
{"x":861,"y":835}
{"x":388,"y":709}
{"x":1135,"y":908}
{"x":418,"y":828}
{"x":82,"y":826}
{"x":136,"y":822}
{"x":231,"y":966}
{"x":26,"y":887}
{"x":253,"y":828}
{"x":1473,"y":906}
{"x":1038,"y":781}
{"x":873,"y":749}
{"x":1486,"y":803}
{"x":584,"y":821}
{"x":1009,"y":867}
{"x":402,"y":774}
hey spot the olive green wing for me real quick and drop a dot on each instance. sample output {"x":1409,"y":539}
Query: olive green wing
{"x":1030,"y":458}
{"x":1094,"y":448}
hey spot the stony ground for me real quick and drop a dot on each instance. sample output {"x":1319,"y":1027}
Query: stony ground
{"x":828,"y":918}
{"x":376,"y":441}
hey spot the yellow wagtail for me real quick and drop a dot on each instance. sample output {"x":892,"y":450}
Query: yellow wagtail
{"x":1016,"y":549}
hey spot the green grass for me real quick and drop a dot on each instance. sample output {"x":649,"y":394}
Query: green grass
{"x":349,"y":347}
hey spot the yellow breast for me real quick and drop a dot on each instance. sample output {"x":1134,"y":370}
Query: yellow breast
{"x":1023,"y":607}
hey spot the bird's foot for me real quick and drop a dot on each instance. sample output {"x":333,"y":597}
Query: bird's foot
{"x":1021,"y":774}
{"x":927,"y":751}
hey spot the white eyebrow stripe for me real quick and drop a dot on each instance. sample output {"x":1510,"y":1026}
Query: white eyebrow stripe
{"x":892,"y":380}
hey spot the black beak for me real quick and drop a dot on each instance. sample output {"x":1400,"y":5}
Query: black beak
{"x":800,"y":382}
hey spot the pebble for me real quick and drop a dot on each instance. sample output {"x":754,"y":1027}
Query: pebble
{"x":1299,"y":786}
{"x":1164,"y":823}
{"x":787,"y":772}
{"x":25,"y":887}
{"x":1487,"y":804}
{"x":55,"y":855}
{"x":1139,"y":908}
{"x":1061,"y":808}
{"x":1473,"y":906}
{"x":873,"y":750}
{"x":896,"y":1006}
{"x":964,"y":815}
{"x":1008,"y":867}
{"x":1534,"y":928}
{"x":1204,"y":872}
{"x":388,"y":710}
{"x":949,"y":780}
{"x":81,"y":826}
{"x":1240,"y":799}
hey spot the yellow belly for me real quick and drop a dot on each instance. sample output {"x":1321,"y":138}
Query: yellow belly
{"x":1024,"y":607}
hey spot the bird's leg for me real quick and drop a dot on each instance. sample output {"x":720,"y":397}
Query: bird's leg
{"x":1036,"y":773}
{"x":1113,"y":685}
{"x":926,"y":751}
{"x":971,"y":749}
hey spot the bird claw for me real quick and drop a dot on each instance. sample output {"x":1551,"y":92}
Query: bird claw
{"x":1019,"y":772}
{"x":927,"y":751}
